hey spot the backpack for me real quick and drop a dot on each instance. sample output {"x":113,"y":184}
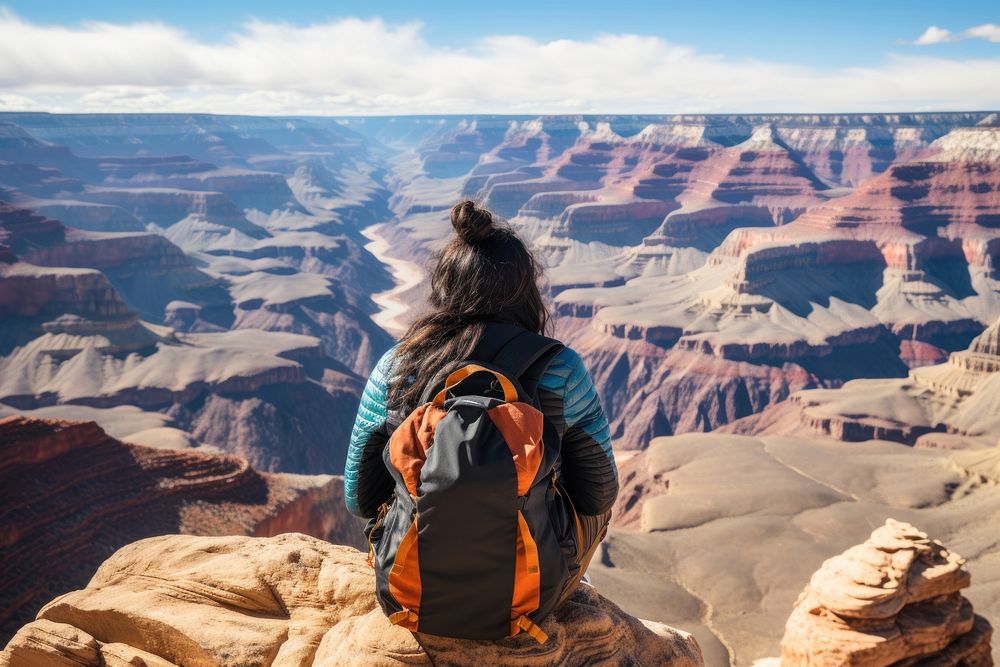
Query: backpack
{"x":476,"y":541}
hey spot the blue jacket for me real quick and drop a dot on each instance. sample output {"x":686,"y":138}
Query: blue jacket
{"x":568,"y":399}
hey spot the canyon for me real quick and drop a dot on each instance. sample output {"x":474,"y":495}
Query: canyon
{"x":708,"y":267}
{"x":791,"y":321}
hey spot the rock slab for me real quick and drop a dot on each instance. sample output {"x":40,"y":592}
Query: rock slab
{"x":293,"y":600}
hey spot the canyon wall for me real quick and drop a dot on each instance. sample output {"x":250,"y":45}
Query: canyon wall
{"x":72,"y":495}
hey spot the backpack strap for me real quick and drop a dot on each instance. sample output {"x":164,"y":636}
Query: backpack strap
{"x":495,"y":337}
{"x":521,"y":353}
{"x":530,"y":378}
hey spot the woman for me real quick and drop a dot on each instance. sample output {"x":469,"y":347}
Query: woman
{"x":486,"y":275}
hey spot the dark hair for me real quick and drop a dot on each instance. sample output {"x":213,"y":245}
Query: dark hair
{"x":485,"y":273}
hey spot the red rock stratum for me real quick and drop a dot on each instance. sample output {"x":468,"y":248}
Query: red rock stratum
{"x":70,"y":495}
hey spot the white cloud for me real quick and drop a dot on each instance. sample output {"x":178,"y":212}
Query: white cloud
{"x":353,"y":66}
{"x":936,"y":35}
{"x":988,"y":31}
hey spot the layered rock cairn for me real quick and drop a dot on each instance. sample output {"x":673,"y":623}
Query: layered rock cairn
{"x":893,"y":600}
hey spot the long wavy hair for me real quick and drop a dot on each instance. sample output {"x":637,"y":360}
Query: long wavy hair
{"x":485,"y":273}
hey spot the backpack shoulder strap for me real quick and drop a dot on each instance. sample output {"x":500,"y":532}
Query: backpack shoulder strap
{"x":495,"y":337}
{"x":522,"y":353}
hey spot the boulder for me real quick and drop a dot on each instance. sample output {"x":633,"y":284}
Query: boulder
{"x":295,"y":600}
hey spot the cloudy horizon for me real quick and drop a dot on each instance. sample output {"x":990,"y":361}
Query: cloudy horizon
{"x":371,"y":66}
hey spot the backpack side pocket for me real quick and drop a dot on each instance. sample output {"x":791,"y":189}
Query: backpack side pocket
{"x":373,"y":531}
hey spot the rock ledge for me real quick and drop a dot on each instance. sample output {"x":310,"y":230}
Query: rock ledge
{"x":293,"y":600}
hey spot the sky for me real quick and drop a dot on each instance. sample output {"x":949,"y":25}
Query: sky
{"x":385,"y":57}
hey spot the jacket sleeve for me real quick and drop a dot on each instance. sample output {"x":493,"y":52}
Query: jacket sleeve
{"x":588,"y":469}
{"x":367,"y":483}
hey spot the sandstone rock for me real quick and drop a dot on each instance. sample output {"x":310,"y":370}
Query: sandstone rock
{"x":29,"y":293}
{"x":648,"y":391}
{"x":21,"y":229}
{"x":48,"y":644}
{"x":614,"y":223}
{"x":294,"y":600}
{"x":552,"y":204}
{"x":36,"y":181}
{"x":759,"y":171}
{"x":893,"y":600}
{"x":508,"y":198}
{"x":148,"y":270}
{"x":259,"y":190}
{"x":89,"y":215}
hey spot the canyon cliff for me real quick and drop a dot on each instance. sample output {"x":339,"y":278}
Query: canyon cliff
{"x":953,"y":405}
{"x":71,"y":495}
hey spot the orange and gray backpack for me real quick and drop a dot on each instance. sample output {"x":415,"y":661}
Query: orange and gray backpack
{"x":476,"y":541}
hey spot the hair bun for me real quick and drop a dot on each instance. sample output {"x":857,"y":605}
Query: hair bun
{"x":471,"y":223}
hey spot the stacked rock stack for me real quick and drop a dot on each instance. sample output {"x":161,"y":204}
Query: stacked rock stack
{"x":893,"y":600}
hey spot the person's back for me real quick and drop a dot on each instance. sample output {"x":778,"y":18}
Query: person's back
{"x":484,"y":288}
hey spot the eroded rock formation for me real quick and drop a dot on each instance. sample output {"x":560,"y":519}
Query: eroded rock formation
{"x":955,"y":404}
{"x":894,"y":600}
{"x":71,"y":337}
{"x":146,"y":269}
{"x":294,"y":600}
{"x":896,"y":274}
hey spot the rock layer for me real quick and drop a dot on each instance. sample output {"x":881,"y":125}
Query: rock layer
{"x":293,"y":600}
{"x":957,"y":401}
{"x":146,"y":269}
{"x":898,"y":273}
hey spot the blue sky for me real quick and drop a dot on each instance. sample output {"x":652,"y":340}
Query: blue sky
{"x":516,"y":56}
{"x":822,"y":34}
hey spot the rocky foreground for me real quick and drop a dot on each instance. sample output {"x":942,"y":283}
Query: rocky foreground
{"x":70,"y":495}
{"x":294,"y":600}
